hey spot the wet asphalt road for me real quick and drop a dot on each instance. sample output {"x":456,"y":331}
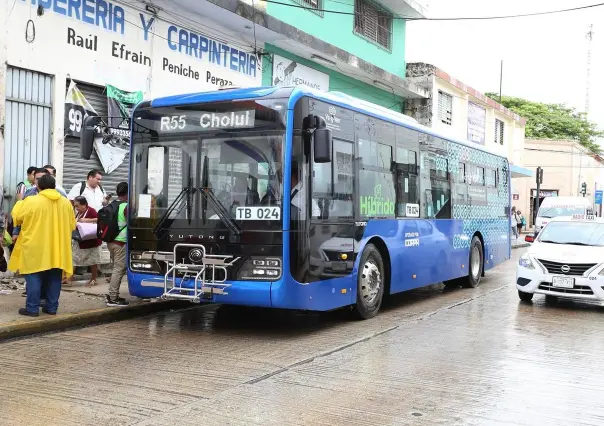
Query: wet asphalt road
{"x":461,"y":357}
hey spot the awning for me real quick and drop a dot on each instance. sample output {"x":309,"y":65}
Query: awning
{"x":520,"y":172}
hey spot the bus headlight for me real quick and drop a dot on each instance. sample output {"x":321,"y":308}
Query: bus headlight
{"x":261,"y":268}
{"x":138,"y":264}
{"x":526,"y":262}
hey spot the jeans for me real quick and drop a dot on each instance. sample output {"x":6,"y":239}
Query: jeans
{"x":515,"y":230}
{"x":45,"y":282}
{"x":118,"y":253}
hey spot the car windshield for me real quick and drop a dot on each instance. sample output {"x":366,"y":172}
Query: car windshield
{"x":550,"y":212}
{"x":574,"y":233}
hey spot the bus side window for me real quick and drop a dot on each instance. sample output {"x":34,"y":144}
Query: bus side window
{"x":333,"y":184}
{"x":407,"y":194}
{"x":436,"y":186}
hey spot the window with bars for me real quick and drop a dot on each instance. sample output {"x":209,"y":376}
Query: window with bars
{"x":445,"y":107}
{"x":499,"y":126}
{"x":373,"y":22}
{"x":312,"y":5}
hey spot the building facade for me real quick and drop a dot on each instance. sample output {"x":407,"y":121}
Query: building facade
{"x":457,"y":109}
{"x":142,"y":50}
{"x":566,"y":166}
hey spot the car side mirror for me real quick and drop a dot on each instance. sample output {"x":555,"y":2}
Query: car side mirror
{"x":87,"y":136}
{"x":323,"y":145}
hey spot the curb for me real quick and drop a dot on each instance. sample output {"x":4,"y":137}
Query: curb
{"x":81,"y":319}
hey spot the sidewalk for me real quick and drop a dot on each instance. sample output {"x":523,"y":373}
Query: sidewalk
{"x":78,"y":306}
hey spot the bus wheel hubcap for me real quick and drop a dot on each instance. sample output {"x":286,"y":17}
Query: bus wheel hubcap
{"x":371,"y":281}
{"x":475,"y":262}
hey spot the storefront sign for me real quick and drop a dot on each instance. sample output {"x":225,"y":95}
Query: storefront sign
{"x":100,"y":41}
{"x":476,"y":123}
{"x":598,"y":197}
{"x":291,"y":73}
{"x":77,"y":108}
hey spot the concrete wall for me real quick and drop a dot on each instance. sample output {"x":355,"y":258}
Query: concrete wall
{"x":566,"y":165}
{"x":338,"y":29}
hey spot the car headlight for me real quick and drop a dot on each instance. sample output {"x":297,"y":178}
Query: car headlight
{"x":526,"y":262}
{"x":261,"y":268}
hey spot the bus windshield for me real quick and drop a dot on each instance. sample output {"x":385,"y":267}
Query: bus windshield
{"x":205,"y":179}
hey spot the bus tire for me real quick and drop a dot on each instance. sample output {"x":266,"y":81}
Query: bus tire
{"x":371,"y":280}
{"x":476,"y":264}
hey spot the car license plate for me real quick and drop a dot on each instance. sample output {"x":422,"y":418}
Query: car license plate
{"x":563,"y":282}
{"x":338,"y":266}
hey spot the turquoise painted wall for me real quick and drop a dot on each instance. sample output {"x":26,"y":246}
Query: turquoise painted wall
{"x":337,"y":82}
{"x":339,"y":30}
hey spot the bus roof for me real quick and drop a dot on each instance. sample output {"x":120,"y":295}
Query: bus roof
{"x":297,"y":92}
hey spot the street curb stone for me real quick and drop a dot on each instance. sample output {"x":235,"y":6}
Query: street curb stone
{"x":48,"y":323}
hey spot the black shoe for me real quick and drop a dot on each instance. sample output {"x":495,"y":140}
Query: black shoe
{"x":49,"y":313}
{"x":23,"y":311}
{"x":116,"y":303}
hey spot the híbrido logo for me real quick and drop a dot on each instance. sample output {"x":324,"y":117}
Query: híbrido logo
{"x":376,"y":205}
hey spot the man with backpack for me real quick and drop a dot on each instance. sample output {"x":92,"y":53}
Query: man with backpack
{"x":92,"y":189}
{"x":27,"y":183}
{"x":112,"y":227}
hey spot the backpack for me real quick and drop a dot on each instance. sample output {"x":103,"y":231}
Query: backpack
{"x":83,"y":187}
{"x":107,"y":228}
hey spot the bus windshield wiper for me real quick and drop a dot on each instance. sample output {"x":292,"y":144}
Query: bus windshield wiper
{"x":186,"y":192}
{"x":222,"y":213}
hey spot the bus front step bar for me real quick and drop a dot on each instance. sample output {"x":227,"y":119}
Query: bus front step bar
{"x":203,"y":272}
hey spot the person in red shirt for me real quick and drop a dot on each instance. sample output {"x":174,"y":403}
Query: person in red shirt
{"x":86,"y":253}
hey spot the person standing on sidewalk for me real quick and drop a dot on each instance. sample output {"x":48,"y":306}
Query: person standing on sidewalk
{"x":43,"y":250}
{"x":117,"y":245}
{"x":27,"y":183}
{"x":53,"y":172}
{"x":92,"y":189}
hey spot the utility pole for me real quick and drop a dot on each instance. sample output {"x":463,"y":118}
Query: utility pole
{"x":589,"y":36}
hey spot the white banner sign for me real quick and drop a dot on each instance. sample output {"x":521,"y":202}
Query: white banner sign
{"x":290,"y":73}
{"x":477,"y":117}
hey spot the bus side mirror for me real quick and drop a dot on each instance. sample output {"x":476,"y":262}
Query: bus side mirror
{"x":87,"y":136}
{"x":323,"y":145}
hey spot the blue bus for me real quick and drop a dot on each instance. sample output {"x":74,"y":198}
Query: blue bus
{"x":297,"y":199}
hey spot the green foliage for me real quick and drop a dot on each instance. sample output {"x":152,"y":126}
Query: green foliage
{"x":553,"y":121}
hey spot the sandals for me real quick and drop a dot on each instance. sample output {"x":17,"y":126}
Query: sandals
{"x":91,"y":283}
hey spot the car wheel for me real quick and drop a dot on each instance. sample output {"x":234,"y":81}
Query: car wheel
{"x":551,"y":300}
{"x":476,"y":263}
{"x":371,"y":280}
{"x":525,"y":297}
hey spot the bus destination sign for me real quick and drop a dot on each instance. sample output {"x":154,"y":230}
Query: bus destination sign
{"x":205,"y":121}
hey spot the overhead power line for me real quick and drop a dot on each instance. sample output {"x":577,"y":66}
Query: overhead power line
{"x":469,"y":18}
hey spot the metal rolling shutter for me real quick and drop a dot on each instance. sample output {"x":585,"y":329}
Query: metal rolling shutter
{"x":76,"y":168}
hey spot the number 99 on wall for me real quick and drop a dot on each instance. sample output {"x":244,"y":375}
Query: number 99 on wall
{"x":258,"y":213}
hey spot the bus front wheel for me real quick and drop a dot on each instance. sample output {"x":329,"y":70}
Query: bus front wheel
{"x":371,"y":280}
{"x":476,"y":264}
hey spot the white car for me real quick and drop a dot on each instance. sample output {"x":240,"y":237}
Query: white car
{"x":566,"y":260}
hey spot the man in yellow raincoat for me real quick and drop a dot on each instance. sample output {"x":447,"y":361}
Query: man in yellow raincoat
{"x":43,"y":250}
